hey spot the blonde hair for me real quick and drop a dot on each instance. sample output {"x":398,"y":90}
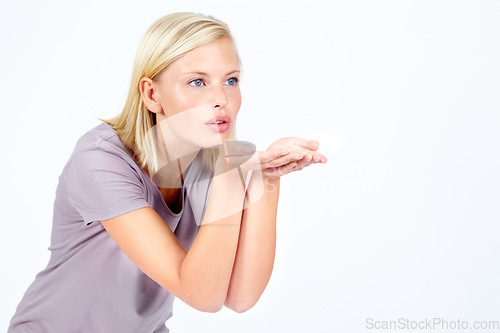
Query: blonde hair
{"x":166,"y":40}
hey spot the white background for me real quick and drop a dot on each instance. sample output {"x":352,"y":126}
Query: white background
{"x":402,"y":221}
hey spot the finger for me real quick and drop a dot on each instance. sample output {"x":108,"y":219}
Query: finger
{"x":272,"y":172}
{"x":265,"y":160}
{"x":301,"y":165}
{"x":283,"y":160}
{"x":277,"y":161}
{"x":308,"y":157}
{"x":302,"y":155}
{"x":294,"y":165}
{"x":309,"y":144}
{"x":280,"y":170}
{"x":270,"y":155}
{"x":303,"y":161}
{"x":307,"y":164}
{"x":323,"y":158}
{"x":287,"y":168}
{"x":318,"y":157}
{"x":307,"y":160}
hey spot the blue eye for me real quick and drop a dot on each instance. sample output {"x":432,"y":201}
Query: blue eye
{"x":235,"y":80}
{"x":196,"y":81}
{"x":232,"y":82}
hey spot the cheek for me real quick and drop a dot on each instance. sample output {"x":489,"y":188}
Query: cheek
{"x":238,"y":104}
{"x":235,"y":100}
{"x":180,"y":99}
{"x":189,"y":117}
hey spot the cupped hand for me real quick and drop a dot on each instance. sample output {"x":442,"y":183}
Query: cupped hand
{"x":286,"y":155}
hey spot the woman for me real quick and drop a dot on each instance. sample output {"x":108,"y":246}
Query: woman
{"x":162,"y":201}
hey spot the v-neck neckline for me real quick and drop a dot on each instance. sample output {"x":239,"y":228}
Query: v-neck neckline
{"x":157,"y":190}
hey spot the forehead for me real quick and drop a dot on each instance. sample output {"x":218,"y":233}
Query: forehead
{"x":213,"y":58}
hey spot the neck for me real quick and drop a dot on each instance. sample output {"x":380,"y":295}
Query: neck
{"x":175,"y":156}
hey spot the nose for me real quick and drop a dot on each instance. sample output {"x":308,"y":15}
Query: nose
{"x":219,"y":98}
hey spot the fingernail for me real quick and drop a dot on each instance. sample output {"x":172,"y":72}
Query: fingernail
{"x":284,"y":152}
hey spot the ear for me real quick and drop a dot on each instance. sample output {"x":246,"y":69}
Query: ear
{"x":149,"y":94}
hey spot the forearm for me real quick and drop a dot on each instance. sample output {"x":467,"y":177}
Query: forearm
{"x":257,"y":244}
{"x":206,"y":269}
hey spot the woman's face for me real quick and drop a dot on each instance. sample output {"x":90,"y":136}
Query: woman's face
{"x":204,"y":83}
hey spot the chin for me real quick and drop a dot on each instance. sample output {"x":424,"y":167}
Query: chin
{"x":216,"y":140}
{"x":206,"y":138}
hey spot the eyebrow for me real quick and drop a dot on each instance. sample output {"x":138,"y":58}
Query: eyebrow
{"x":203,"y":73}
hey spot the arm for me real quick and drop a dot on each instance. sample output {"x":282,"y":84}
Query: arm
{"x":257,"y":244}
{"x":201,"y":276}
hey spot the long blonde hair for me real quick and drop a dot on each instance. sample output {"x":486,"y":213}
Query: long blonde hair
{"x":166,"y":40}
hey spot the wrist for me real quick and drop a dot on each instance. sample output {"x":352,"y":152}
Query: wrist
{"x":268,"y":181}
{"x":267,"y":176}
{"x":271,"y":181}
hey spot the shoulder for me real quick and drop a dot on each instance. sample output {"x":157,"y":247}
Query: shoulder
{"x":101,"y":180}
{"x":103,"y":137}
{"x":100,"y":150}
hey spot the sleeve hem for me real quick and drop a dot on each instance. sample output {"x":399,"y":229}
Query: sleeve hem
{"x":115,"y":211}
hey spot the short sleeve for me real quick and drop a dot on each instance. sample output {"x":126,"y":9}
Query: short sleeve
{"x":102,"y":185}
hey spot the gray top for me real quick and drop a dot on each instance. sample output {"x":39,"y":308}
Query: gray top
{"x":89,"y":284}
